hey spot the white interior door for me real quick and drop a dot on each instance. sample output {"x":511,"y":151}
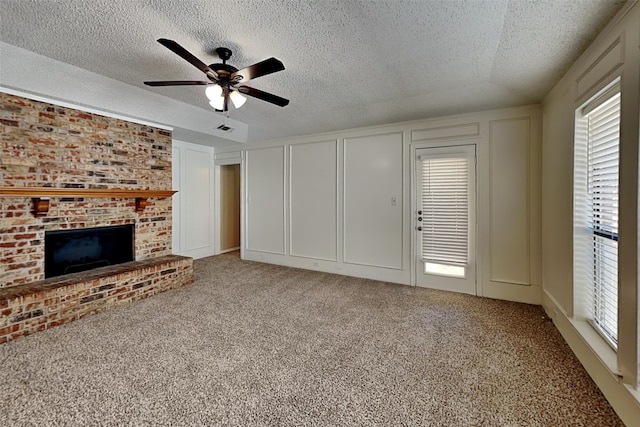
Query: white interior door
{"x":446,"y":218}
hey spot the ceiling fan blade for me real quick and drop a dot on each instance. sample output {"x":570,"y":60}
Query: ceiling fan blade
{"x":188,"y":56}
{"x":178,"y":83}
{"x":265,"y":96}
{"x":263,"y":68}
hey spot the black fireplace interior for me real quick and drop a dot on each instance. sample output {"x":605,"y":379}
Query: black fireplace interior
{"x":72,"y":251}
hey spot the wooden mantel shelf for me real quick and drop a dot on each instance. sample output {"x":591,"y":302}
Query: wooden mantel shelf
{"x":41,"y":195}
{"x":82,"y":192}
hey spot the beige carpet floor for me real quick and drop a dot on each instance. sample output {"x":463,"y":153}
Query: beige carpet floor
{"x":252,"y":344}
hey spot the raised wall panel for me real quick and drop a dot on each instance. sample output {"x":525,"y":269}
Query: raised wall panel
{"x":265,"y":200}
{"x":610,"y":60}
{"x":229,"y":155}
{"x":193,"y":227}
{"x":509,"y":208}
{"x":312,"y":200}
{"x":197,"y":215}
{"x":446,"y":132}
{"x":373,"y":192}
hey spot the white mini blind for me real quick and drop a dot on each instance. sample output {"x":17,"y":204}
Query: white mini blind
{"x":603,"y":140}
{"x":445,"y":208}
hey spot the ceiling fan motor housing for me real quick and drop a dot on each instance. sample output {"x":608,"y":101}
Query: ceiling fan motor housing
{"x":223,"y":70}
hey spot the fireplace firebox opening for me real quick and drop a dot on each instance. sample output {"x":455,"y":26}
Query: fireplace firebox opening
{"x":73,"y":251}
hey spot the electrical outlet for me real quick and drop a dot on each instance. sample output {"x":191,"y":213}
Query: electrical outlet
{"x":316,"y":264}
{"x":394,"y":201}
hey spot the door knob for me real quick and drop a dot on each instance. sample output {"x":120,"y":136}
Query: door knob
{"x":419,"y":228}
{"x":419,"y":212}
{"x":419,"y":218}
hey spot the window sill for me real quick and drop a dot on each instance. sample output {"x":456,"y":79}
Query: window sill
{"x":599,"y":345}
{"x":599,"y":360}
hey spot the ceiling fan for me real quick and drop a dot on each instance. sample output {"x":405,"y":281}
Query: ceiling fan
{"x":224,"y":78}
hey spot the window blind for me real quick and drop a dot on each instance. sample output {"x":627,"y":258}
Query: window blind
{"x":445,"y":208}
{"x":603,"y":138}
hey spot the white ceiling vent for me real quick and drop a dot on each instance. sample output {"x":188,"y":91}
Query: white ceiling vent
{"x":225,"y":128}
{"x":228,"y":128}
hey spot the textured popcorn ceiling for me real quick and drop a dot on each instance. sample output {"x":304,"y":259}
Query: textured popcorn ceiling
{"x":348,"y":63}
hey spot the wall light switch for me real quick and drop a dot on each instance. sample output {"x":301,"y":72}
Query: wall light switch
{"x":394,"y":201}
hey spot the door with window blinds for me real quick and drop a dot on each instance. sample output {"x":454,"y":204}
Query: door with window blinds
{"x":446,"y":218}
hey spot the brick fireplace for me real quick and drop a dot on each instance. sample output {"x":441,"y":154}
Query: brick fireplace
{"x":83,"y":157}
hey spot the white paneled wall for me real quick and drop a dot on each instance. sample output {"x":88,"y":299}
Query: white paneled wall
{"x":343,"y":201}
{"x":310,"y":202}
{"x":373,"y":194}
{"x":513,"y":267}
{"x":265,"y":190}
{"x":509,"y":201}
{"x":313,"y":227}
{"x":193,"y":205}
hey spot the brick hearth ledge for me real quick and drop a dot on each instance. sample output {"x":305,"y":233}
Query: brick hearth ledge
{"x":47,"y":303}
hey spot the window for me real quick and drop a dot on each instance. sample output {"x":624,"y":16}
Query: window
{"x":596,"y":178}
{"x":445,"y":212}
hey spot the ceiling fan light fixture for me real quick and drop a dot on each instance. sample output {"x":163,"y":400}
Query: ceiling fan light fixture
{"x":213,"y":92}
{"x":217,"y":103}
{"x":237,"y":99}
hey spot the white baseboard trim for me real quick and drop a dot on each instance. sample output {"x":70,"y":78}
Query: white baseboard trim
{"x":529,"y":294}
{"x":381,"y":273}
{"x":624,"y":400}
{"x":204,"y":252}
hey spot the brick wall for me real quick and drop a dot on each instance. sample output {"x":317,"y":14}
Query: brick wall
{"x":44,"y":145}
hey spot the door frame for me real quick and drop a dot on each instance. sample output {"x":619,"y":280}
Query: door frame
{"x":218,"y":203}
{"x":449,"y":143}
